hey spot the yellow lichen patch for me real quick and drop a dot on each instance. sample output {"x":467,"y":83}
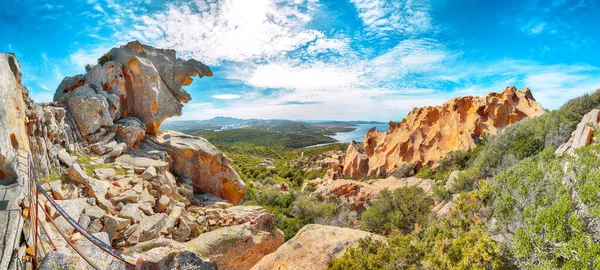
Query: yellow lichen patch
{"x":187,"y":81}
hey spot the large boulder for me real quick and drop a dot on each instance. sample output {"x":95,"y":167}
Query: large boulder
{"x":313,"y":247}
{"x":130,"y":131}
{"x":133,"y":80}
{"x":196,"y":159}
{"x":89,"y":109}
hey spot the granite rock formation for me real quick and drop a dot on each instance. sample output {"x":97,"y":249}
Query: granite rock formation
{"x":427,"y":134}
{"x":313,"y":247}
{"x":99,"y":149}
{"x":583,"y":134}
{"x":133,"y":80}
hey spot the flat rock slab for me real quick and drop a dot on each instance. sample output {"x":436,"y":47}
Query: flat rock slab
{"x":142,"y":162}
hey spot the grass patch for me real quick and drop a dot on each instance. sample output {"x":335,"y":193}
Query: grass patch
{"x":53,"y":177}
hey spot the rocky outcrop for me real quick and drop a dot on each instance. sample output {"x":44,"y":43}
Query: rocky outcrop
{"x":119,"y":175}
{"x":199,"y":161}
{"x":427,"y":134}
{"x":583,"y":134}
{"x":357,"y":195}
{"x":313,"y":247}
{"x":13,"y":134}
{"x":235,"y":247}
{"x":133,"y":80}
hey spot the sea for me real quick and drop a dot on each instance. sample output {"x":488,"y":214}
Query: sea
{"x":359,"y":134}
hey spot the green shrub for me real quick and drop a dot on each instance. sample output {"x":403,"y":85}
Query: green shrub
{"x":533,"y":198}
{"x":406,"y":170}
{"x":396,"y":253}
{"x":440,"y":193}
{"x":397,"y":210}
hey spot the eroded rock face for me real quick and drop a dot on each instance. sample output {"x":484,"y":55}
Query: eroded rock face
{"x":196,"y":159}
{"x":313,"y":247}
{"x":427,"y":134}
{"x":42,"y":129}
{"x":583,"y":134}
{"x":357,"y":195}
{"x":133,"y":80}
{"x":13,"y":134}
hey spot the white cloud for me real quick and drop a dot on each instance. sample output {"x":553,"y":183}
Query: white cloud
{"x":329,"y":44}
{"x":404,"y":16}
{"x":82,"y":57}
{"x":533,"y":27}
{"x":310,"y":76}
{"x":233,"y":30}
{"x":226,"y":96}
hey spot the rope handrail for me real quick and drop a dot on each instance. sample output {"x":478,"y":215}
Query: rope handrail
{"x":35,"y":187}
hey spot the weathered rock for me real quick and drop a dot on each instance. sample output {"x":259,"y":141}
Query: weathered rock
{"x":76,"y":174}
{"x":65,"y":158}
{"x":94,"y":211}
{"x":62,"y":259}
{"x":89,"y":109}
{"x":57,"y":190}
{"x":74,"y":208}
{"x":132,"y":212}
{"x":198,"y":160}
{"x":427,"y":134}
{"x":150,"y":227}
{"x":13,"y":133}
{"x":162,"y":204}
{"x":235,"y":247}
{"x":583,"y":134}
{"x":182,"y":231}
{"x":127,"y":196}
{"x":97,"y":188}
{"x":112,"y":225}
{"x":105,"y":173}
{"x":164,"y":258}
{"x":171,"y":219}
{"x":135,"y":80}
{"x":130,"y":131}
{"x":97,"y":255}
{"x":149,"y":173}
{"x":356,"y":195}
{"x":141,"y":162}
{"x":313,"y":247}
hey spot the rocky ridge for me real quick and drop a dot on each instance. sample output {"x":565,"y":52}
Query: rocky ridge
{"x":101,"y":154}
{"x":427,"y":134}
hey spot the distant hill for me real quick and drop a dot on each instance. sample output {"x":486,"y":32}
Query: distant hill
{"x":326,"y":127}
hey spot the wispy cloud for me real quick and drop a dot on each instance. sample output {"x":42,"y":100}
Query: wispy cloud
{"x":533,"y":27}
{"x":382,"y":17}
{"x":226,"y":96}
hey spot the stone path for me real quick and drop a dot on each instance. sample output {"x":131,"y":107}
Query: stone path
{"x":11,"y":224}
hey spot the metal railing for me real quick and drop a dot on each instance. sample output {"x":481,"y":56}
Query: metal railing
{"x":34,"y":188}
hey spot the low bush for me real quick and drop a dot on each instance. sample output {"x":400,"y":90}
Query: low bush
{"x":397,"y":210}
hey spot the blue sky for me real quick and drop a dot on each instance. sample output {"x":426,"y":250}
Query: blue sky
{"x":317,"y":59}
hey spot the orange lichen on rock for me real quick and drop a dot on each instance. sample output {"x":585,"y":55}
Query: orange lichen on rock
{"x":427,"y":134}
